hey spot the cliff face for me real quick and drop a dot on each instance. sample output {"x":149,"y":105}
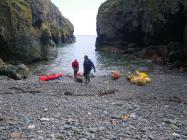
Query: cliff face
{"x":141,"y":23}
{"x":30,"y":30}
{"x":45,"y":13}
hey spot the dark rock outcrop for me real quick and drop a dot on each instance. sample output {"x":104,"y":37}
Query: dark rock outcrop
{"x":156,"y":24}
{"x":16,"y":72}
{"x":174,"y":53}
{"x":30,"y":30}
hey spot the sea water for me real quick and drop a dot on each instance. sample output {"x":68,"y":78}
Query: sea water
{"x":85,"y":45}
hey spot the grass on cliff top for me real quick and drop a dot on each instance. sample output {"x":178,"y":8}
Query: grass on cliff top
{"x":152,"y":9}
{"x":113,"y":4}
{"x":16,"y":15}
{"x":149,"y":6}
{"x":21,"y":8}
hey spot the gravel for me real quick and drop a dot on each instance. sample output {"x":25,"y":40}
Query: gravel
{"x":103,"y":109}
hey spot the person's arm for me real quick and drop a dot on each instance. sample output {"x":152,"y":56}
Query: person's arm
{"x":72,"y":64}
{"x":93,"y":66}
{"x":78,"y":65}
{"x":84,"y":68}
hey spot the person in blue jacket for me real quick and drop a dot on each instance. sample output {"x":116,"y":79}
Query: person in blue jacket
{"x":88,"y":65}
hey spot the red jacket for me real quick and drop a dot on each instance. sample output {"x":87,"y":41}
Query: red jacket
{"x":75,"y":64}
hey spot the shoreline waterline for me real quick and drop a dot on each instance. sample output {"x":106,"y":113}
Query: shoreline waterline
{"x":85,"y":45}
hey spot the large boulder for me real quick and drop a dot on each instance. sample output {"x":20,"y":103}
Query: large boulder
{"x":142,"y":23}
{"x":30,"y":30}
{"x":16,"y":72}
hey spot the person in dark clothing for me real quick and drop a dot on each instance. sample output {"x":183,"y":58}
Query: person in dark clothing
{"x":75,"y":66}
{"x":88,"y":65}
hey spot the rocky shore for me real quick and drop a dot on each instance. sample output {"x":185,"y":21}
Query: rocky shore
{"x":152,"y":29}
{"x":104,"y":109}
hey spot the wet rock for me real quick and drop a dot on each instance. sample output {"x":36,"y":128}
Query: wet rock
{"x":129,"y":50}
{"x":2,"y":77}
{"x":16,"y":72}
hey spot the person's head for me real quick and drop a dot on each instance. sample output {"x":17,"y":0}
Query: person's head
{"x":75,"y":60}
{"x":85,"y":57}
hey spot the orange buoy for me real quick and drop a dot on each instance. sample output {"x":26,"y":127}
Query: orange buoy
{"x":116,"y":75}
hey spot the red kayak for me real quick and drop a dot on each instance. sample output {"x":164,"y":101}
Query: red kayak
{"x":50,"y":76}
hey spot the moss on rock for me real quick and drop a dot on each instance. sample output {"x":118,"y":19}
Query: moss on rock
{"x":28,"y":30}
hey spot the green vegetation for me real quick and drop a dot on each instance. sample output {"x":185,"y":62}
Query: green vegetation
{"x":46,"y":33}
{"x":2,"y":13}
{"x":113,"y":4}
{"x":21,"y":8}
{"x":116,"y":3}
{"x":150,"y":6}
{"x":152,"y":9}
{"x":65,"y":31}
{"x":15,"y":15}
{"x":54,"y":30}
{"x":44,"y":26}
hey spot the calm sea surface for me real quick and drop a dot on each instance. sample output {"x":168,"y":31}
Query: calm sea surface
{"x":85,"y":45}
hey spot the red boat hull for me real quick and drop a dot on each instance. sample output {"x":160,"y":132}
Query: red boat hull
{"x":50,"y":77}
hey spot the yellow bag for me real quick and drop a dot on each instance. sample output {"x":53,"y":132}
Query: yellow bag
{"x":140,"y":78}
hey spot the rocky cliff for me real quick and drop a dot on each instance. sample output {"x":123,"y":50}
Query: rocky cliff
{"x":30,"y":30}
{"x":159,"y":26}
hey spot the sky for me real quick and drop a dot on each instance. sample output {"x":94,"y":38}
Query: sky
{"x":81,"y":13}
